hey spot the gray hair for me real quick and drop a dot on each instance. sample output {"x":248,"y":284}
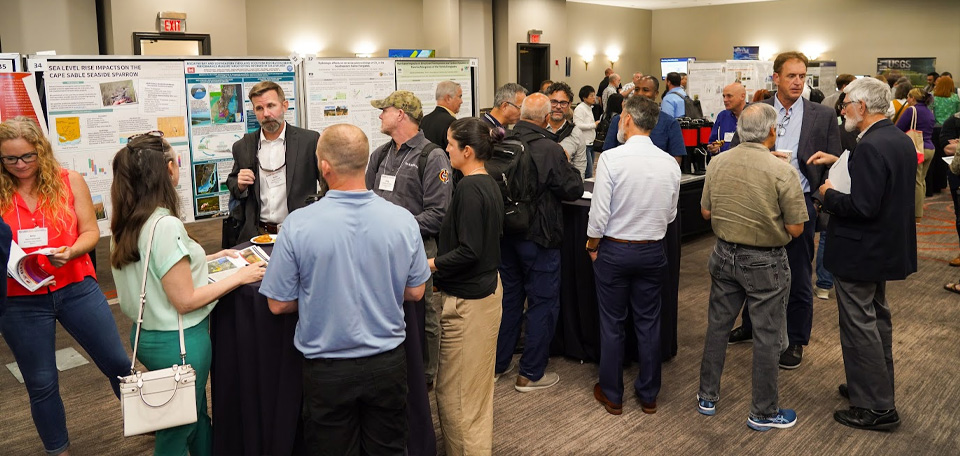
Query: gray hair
{"x":755,"y":122}
{"x":643,"y":111}
{"x":902,"y":88}
{"x":874,"y":94}
{"x":507,"y":92}
{"x":535,"y":107}
{"x":447,"y":89}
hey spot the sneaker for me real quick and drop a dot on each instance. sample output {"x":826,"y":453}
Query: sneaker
{"x":740,"y":335}
{"x":706,"y":407}
{"x":791,"y":358}
{"x":496,"y":375}
{"x":525,"y":385}
{"x":822,"y":293}
{"x":785,"y":418}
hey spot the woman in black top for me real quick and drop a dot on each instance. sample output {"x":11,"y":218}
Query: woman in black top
{"x":466,"y":274}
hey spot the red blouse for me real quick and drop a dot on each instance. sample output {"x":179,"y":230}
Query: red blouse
{"x":20,"y":217}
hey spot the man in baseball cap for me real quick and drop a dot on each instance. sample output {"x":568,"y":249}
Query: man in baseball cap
{"x":403,"y":100}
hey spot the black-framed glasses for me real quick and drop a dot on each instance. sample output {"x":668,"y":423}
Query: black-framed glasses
{"x":154,"y":133}
{"x":782,"y":126}
{"x":511,"y":104}
{"x":28,"y":157}
{"x":559,"y":103}
{"x":848,"y":103}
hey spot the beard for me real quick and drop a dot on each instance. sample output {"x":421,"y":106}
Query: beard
{"x":850,"y":122}
{"x":270,"y":125}
{"x":621,"y":136}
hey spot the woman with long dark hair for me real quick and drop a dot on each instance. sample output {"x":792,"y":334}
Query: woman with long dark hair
{"x":48,"y":206}
{"x":145,"y":176}
{"x":466,"y":274}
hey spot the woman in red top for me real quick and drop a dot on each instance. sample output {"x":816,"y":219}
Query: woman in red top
{"x":47,"y":206}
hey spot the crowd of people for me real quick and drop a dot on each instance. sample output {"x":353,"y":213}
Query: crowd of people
{"x":423,"y":219}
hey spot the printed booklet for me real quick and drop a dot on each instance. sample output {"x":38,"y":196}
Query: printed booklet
{"x":226,"y":266}
{"x":25,"y":267}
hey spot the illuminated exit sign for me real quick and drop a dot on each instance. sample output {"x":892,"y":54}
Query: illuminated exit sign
{"x":171,"y":22}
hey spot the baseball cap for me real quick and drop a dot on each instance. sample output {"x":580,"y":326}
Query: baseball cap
{"x":403,"y":100}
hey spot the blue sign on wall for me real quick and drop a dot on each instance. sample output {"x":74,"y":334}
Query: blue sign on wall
{"x":746,"y":53}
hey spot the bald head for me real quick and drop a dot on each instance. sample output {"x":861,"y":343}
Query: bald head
{"x":735,"y":97}
{"x":345,"y":149}
{"x":535,"y":109}
{"x":615,"y":80}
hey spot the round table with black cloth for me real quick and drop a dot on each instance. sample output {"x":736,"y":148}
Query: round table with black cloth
{"x":257,"y":383}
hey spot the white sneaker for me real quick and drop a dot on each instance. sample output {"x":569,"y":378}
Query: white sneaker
{"x":821,"y":293}
{"x":496,"y":376}
{"x":525,"y":385}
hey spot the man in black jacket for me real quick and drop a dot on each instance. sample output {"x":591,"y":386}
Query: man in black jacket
{"x":872,"y":239}
{"x":530,"y":263}
{"x":435,"y":125}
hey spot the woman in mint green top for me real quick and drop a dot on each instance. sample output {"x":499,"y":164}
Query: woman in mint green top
{"x":945,"y":100}
{"x":145,"y":174}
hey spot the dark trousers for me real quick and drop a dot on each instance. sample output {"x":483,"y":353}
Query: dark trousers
{"x":866,"y":338}
{"x":800,"y":305}
{"x":532,"y":273}
{"x":629,"y":275}
{"x":954,"y":182}
{"x":670,"y":291}
{"x":422,"y":439}
{"x":356,"y":406}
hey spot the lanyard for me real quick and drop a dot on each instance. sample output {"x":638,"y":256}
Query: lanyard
{"x":20,"y":224}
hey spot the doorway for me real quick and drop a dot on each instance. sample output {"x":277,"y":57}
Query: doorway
{"x":533,"y":65}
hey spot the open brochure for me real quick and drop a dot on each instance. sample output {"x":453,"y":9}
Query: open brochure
{"x":226,"y":266}
{"x":25,"y":267}
{"x":840,"y":175}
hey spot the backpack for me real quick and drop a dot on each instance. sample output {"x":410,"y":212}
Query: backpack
{"x":602,"y":128}
{"x":691,"y":107}
{"x":421,"y":162}
{"x":515,"y":172}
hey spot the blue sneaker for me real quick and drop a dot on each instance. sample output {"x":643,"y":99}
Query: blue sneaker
{"x":785,"y":418}
{"x":706,"y":407}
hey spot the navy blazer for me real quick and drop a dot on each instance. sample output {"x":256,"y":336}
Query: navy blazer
{"x":872,"y":233}
{"x":435,"y":125}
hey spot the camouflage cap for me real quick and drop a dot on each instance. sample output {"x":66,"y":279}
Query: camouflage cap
{"x":403,"y":100}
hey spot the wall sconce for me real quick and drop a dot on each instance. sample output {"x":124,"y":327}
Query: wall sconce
{"x":363,"y":56}
{"x":364,"y":50}
{"x":813,"y":50}
{"x":613,"y":55}
{"x":586,"y":53}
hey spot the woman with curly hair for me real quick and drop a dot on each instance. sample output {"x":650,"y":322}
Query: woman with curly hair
{"x":48,"y":206}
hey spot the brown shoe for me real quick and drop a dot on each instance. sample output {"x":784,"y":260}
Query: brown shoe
{"x":955,"y":262}
{"x":648,"y":407}
{"x":613,"y":409}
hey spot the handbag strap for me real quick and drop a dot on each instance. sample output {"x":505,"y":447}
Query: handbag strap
{"x":143,"y":302}
{"x":913,"y":121}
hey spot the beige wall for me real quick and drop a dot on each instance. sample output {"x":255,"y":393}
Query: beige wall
{"x":224,"y":20}
{"x":854,"y":33}
{"x":476,"y":40}
{"x":66,"y":26}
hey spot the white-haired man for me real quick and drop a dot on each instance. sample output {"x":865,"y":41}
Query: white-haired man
{"x":506,"y":105}
{"x":873,"y":239}
{"x":627,"y":90}
{"x":434,"y":125}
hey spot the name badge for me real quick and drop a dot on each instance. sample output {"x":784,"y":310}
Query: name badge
{"x":728,"y":136}
{"x":34,"y":237}
{"x":387,"y":182}
{"x":275,"y":179}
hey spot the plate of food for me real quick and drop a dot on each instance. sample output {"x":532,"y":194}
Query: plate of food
{"x":264,"y":239}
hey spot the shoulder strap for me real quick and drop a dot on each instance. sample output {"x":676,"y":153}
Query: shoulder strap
{"x":143,"y":302}
{"x":424,"y":154}
{"x":913,"y":121}
{"x":382,"y":154}
{"x":902,"y":106}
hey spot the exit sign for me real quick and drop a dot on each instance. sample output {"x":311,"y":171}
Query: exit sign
{"x":171,"y":22}
{"x":173,"y":25}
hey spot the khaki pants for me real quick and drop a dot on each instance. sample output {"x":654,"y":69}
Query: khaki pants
{"x":468,"y":346}
{"x":920,"y":192}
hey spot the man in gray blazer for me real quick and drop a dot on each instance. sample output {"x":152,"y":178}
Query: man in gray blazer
{"x":274,"y":168}
{"x":803,"y":129}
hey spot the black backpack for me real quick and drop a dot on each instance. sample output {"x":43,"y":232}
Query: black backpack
{"x":513,"y":168}
{"x":691,"y":107}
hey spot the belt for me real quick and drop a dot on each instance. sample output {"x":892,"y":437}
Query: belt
{"x":268,"y":228}
{"x":750,"y":247}
{"x":625,"y":241}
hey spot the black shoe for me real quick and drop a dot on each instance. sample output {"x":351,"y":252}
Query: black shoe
{"x":740,"y":335}
{"x":791,"y":358}
{"x":844,"y":391}
{"x":874,"y":420}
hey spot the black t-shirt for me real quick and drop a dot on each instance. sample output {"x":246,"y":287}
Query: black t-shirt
{"x":469,"y":243}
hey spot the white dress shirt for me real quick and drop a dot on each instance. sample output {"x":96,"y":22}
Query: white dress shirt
{"x":583,"y":119}
{"x":636,"y":192}
{"x":272,"y":157}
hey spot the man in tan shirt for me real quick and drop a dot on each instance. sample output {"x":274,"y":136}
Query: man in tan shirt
{"x":755,"y":204}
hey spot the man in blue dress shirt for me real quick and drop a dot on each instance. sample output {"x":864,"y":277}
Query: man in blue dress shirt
{"x":734,"y":100}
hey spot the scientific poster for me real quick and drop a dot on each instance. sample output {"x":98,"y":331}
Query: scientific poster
{"x":220,"y":114}
{"x":9,"y":63}
{"x":18,"y":97}
{"x":915,"y":68}
{"x":95,"y":105}
{"x":340,"y":90}
{"x":422,"y":76}
{"x":753,"y":74}
{"x":705,"y":82}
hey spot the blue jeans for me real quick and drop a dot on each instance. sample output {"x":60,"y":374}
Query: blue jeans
{"x":532,"y":273}
{"x":29,"y":325}
{"x":824,"y":277}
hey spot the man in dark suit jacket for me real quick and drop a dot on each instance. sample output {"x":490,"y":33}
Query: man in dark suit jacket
{"x":814,"y":131}
{"x":872,"y":239}
{"x":435,"y":124}
{"x":274,"y":168}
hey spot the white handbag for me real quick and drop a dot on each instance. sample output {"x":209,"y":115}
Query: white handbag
{"x":158,"y":399}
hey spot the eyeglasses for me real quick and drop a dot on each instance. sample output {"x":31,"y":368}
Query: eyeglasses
{"x":562,"y":104}
{"x":782,"y":126}
{"x":848,"y":103}
{"x":154,"y":133}
{"x":11,"y":160}
{"x":511,"y":104}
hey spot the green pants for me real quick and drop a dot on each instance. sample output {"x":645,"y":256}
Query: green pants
{"x":160,"y":350}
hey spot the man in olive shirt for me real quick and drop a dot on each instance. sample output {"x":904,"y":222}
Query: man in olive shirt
{"x":755,"y":204}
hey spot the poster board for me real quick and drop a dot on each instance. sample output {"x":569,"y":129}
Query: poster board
{"x":422,"y":76}
{"x":94,"y":104}
{"x":705,"y":82}
{"x":19,"y":97}
{"x":10,"y":63}
{"x":915,"y":68}
{"x":753,"y":74}
{"x":220,"y":114}
{"x":822,"y":74}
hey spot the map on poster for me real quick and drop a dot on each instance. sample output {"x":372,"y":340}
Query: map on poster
{"x":340,"y":90}
{"x":422,"y":76}
{"x":94,"y":106}
{"x":220,"y":114}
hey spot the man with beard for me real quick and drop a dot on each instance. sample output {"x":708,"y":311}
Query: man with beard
{"x":274,"y":168}
{"x":568,"y":135}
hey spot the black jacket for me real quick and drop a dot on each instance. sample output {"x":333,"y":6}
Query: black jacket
{"x":557,"y":179}
{"x":435,"y":125}
{"x":872,"y":234}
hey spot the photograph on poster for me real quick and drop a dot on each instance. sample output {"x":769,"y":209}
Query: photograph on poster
{"x":206,"y":178}
{"x":118,"y":92}
{"x":99,"y":208}
{"x":172,"y":127}
{"x":225,"y":105}
{"x":198,"y":91}
{"x":208,"y":205}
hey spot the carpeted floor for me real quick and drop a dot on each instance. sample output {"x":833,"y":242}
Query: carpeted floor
{"x":566,"y":420}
